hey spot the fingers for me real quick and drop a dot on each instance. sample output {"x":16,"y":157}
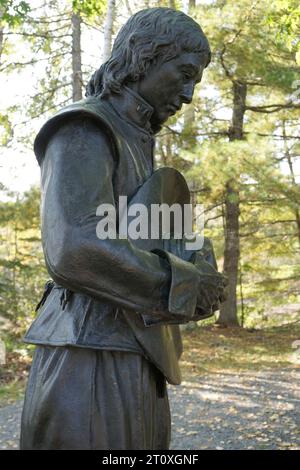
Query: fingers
{"x":211,"y":291}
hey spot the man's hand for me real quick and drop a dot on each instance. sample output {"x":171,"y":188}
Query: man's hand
{"x":212,"y":284}
{"x":211,"y":290}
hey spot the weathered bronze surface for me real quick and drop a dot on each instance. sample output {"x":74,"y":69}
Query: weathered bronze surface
{"x":108,"y":326}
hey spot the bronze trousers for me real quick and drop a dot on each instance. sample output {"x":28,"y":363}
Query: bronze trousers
{"x":94,"y":399}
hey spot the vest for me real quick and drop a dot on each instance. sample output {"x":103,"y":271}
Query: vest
{"x":86,"y":322}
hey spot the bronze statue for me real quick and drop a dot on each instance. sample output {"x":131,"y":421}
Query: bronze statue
{"x":107,"y":333}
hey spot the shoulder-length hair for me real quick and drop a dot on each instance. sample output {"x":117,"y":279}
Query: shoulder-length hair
{"x":151,"y":36}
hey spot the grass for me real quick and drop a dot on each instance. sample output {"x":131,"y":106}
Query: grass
{"x":210,"y":349}
{"x":12,"y":391}
{"x":13,"y":377}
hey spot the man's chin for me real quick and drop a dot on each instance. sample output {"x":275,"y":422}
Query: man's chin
{"x":158,"y":120}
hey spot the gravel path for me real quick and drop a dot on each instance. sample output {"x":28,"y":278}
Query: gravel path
{"x":253,"y":410}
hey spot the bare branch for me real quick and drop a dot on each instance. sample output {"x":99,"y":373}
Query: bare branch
{"x":273,"y":108}
{"x":33,"y":61}
{"x":45,"y":36}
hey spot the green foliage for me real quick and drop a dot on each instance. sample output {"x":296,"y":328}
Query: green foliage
{"x":12,"y":12}
{"x":245,"y":49}
{"x":7,"y":130}
{"x":90,"y":8}
{"x":284,"y":18}
{"x":21,"y":261}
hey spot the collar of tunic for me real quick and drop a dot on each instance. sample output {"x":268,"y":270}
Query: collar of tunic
{"x":133,"y":108}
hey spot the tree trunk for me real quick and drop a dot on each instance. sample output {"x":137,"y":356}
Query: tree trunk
{"x":108,"y":31}
{"x":189,"y":111}
{"x":228,"y":311}
{"x":76,"y":58}
{"x":189,"y":119}
{"x":292,"y":173}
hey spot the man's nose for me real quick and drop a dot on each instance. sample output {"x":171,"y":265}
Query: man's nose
{"x":187,"y":92}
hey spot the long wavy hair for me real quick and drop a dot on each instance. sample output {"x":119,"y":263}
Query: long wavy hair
{"x":151,"y":36}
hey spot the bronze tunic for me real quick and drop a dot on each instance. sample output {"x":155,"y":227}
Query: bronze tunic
{"x":91,"y":152}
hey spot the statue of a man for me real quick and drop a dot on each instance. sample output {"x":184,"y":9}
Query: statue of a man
{"x":98,"y":377}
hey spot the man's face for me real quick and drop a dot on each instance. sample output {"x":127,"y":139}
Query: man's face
{"x":166,"y":86}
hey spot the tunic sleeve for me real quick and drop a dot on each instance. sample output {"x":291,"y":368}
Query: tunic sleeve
{"x":77,"y":176}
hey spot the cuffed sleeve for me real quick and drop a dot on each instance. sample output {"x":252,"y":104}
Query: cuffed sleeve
{"x":183,"y":291}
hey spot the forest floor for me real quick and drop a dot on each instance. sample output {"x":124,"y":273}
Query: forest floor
{"x":240,"y":390}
